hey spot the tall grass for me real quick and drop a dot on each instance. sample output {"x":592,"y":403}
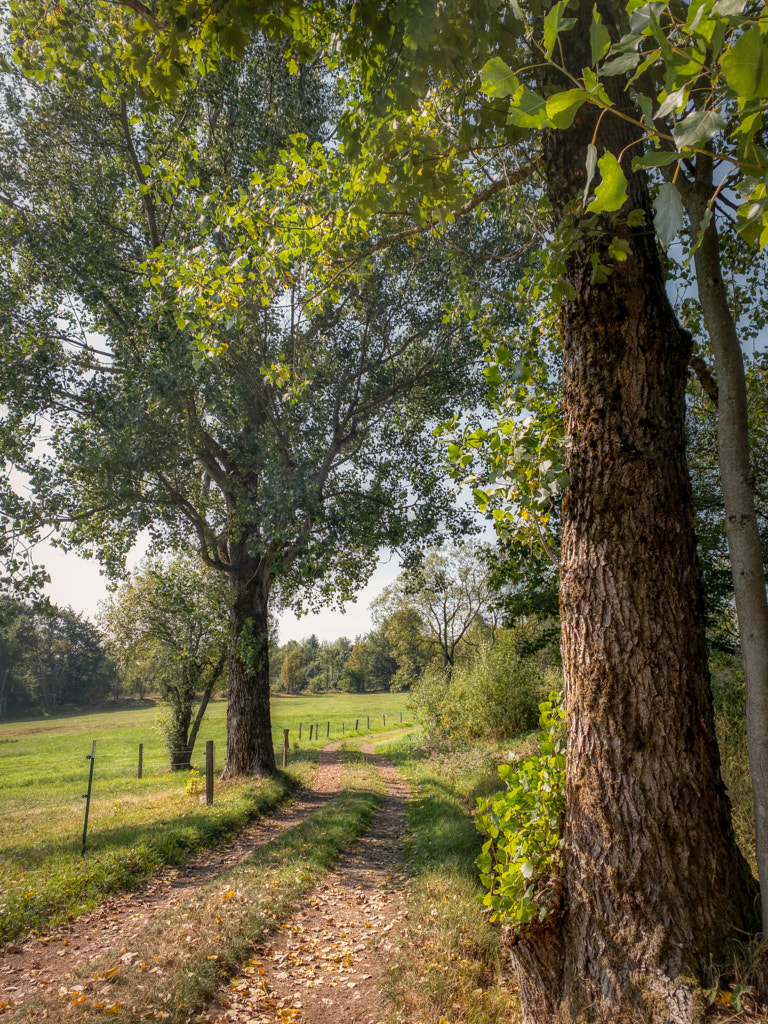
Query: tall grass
{"x":729,"y":692}
{"x":449,"y":965}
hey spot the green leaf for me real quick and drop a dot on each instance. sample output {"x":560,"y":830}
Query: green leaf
{"x":674,"y":101}
{"x":599,"y":37}
{"x":668,"y":210}
{"x":611,"y":193}
{"x":656,"y":158}
{"x":498,"y":80}
{"x":620,"y":65}
{"x":698,"y":128}
{"x":745,"y":65}
{"x":729,"y":8}
{"x":563,"y":107}
{"x":643,"y":17}
{"x":529,"y":110}
{"x":554,"y":23}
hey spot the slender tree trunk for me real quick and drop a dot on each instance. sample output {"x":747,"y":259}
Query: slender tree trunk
{"x":204,"y":699}
{"x":738,"y":486}
{"x":654,"y":882}
{"x":249,"y":728}
{"x":181,"y":752}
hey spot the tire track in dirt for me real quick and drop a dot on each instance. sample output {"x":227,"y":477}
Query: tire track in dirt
{"x":31,"y":967}
{"x":325,"y":964}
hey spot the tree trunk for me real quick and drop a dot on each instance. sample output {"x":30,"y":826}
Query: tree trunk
{"x":654,"y":881}
{"x":738,"y":485}
{"x":204,"y":699}
{"x":249,"y":728}
{"x":181,"y":751}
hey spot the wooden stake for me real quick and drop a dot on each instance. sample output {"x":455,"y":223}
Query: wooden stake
{"x":285,"y":748}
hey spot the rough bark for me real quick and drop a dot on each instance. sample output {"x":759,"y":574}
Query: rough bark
{"x":654,"y":882}
{"x":249,"y":728}
{"x":738,"y":487}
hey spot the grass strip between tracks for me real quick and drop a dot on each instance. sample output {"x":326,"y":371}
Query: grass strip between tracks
{"x":174,"y":966}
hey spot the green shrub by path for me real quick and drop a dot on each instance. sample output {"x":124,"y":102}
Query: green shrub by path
{"x":179,"y":960}
{"x":449,"y":964}
{"x":494,"y":692}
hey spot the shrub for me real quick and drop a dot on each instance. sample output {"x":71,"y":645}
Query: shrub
{"x":524,"y":853}
{"x":493,"y":693}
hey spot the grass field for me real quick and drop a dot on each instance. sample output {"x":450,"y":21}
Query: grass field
{"x":136,"y":825}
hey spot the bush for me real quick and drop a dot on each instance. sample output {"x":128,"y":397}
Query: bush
{"x":524,"y":853}
{"x":492,"y":694}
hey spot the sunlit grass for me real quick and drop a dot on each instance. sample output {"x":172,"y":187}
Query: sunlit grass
{"x":450,"y":965}
{"x":135,"y":825}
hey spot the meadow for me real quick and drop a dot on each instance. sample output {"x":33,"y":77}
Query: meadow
{"x":137,"y":825}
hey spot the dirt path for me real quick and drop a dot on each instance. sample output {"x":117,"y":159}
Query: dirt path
{"x":37,"y":964}
{"x":325,"y":964}
{"x":363,"y":888}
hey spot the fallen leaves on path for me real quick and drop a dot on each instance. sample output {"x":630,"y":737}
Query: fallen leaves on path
{"x":324,"y":966}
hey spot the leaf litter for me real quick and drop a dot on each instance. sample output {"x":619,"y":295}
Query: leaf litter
{"x":325,"y":964}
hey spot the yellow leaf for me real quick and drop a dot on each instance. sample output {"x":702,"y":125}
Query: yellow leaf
{"x":228,"y":895}
{"x":112,"y":973}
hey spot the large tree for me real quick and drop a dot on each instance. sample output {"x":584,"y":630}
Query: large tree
{"x":289,"y":438}
{"x":449,"y":592}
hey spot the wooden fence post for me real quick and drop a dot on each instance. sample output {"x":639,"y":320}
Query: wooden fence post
{"x":356,"y":721}
{"x":141,"y":758}
{"x":209,"y":771}
{"x":328,"y":730}
{"x":285,"y":748}
{"x":299,"y":730}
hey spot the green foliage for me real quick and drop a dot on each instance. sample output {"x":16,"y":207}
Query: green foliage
{"x":171,"y":619}
{"x":493,"y":692}
{"x":195,"y":783}
{"x":432,"y":607}
{"x":525,"y":825}
{"x":51,"y":657}
{"x":729,"y":693}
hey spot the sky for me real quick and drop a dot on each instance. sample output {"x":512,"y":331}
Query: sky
{"x":78,"y":583}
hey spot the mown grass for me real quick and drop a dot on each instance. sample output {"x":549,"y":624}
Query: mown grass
{"x":178,"y":962}
{"x":135,"y":825}
{"x":450,"y":966}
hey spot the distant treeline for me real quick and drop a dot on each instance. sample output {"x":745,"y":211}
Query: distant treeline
{"x":50,"y":658}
